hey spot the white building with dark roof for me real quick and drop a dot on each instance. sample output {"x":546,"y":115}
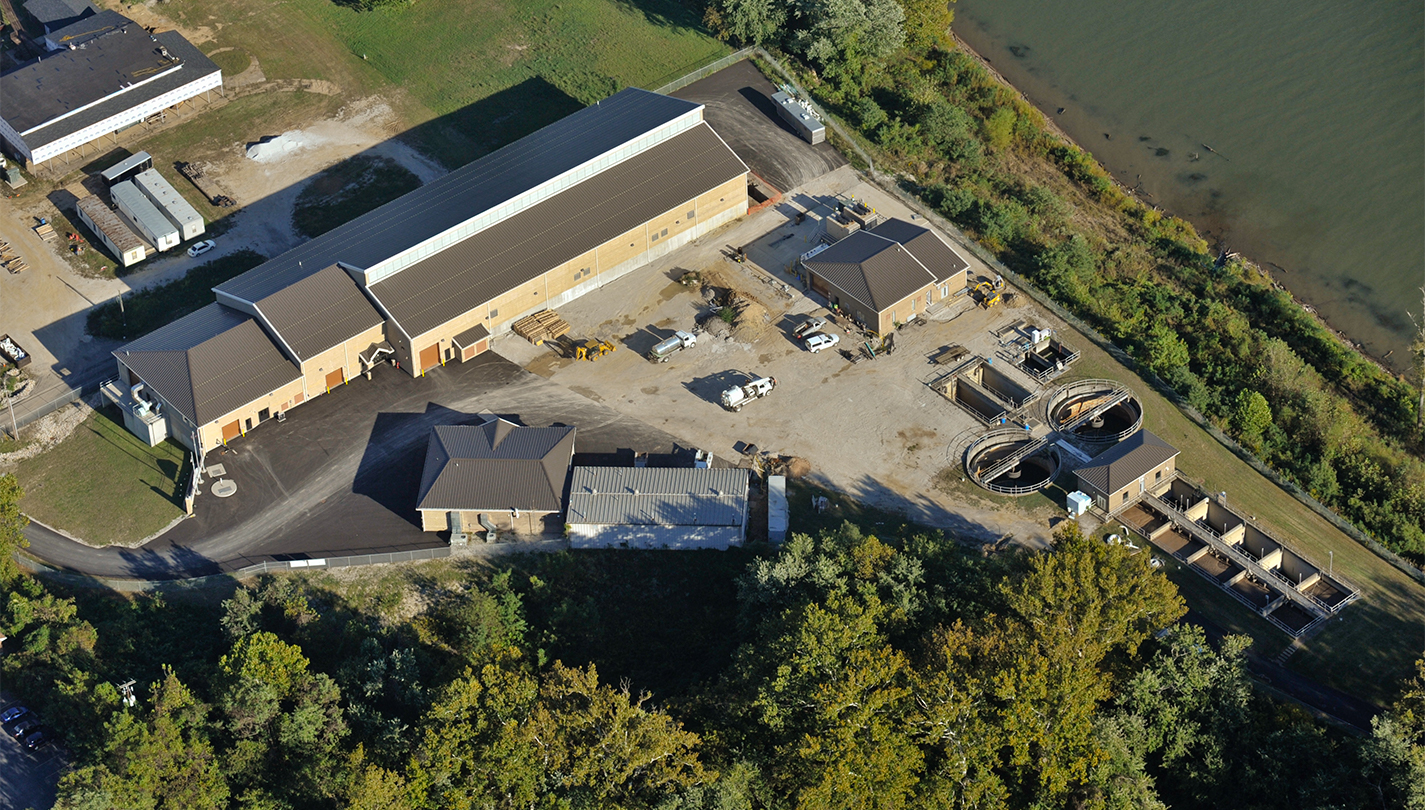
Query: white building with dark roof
{"x":657,"y":507}
{"x":105,"y":73}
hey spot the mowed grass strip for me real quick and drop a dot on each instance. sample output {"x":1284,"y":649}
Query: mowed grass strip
{"x":102,"y":484}
{"x":1374,"y":642}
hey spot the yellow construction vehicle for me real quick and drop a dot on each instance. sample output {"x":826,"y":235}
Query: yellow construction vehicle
{"x":593,"y":349}
{"x":987,"y":294}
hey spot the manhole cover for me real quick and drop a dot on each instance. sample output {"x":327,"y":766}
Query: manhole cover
{"x":217,"y":471}
{"x":225,"y":488}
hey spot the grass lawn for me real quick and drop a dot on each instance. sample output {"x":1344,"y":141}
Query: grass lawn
{"x":348,"y":190}
{"x":1374,"y":643}
{"x":148,"y":309}
{"x":470,"y":75}
{"x":104,"y":485}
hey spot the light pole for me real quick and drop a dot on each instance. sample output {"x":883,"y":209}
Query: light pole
{"x":1331,"y":563}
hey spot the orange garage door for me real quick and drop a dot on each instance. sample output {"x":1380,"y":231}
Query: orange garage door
{"x":430,"y":356}
{"x":231,"y":431}
{"x":336,"y":378}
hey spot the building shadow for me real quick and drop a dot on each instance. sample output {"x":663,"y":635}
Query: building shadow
{"x":391,"y":466}
{"x":475,"y":130}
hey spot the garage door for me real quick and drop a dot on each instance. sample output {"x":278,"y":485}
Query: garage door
{"x":430,"y":356}
{"x":336,"y":378}
{"x":818,"y":285}
{"x":231,"y":431}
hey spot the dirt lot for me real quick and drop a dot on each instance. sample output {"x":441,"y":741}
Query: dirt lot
{"x":872,"y":429}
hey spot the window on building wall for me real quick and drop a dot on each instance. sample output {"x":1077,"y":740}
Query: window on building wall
{"x":494,"y":313}
{"x":1158,"y":476}
{"x":655,"y":238}
{"x":692,"y":214}
{"x":664,"y":233}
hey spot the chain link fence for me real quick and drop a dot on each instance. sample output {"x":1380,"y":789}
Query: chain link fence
{"x":704,"y":71}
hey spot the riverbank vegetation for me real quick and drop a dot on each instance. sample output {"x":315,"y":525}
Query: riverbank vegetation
{"x":1220,"y":333}
{"x":846,"y":670}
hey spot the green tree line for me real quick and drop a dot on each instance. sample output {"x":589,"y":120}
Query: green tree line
{"x":1233,"y":344}
{"x":844,"y":671}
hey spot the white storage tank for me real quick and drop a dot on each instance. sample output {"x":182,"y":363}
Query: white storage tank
{"x":144,"y":216}
{"x":778,"y":511}
{"x":161,"y":193}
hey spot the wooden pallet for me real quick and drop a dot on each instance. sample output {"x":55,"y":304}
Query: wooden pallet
{"x":541,"y":326}
{"x":46,"y":232}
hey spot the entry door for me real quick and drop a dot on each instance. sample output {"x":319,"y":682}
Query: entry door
{"x":336,"y":378}
{"x":231,"y":431}
{"x":430,"y":356}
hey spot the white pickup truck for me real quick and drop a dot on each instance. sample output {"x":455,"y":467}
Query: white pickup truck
{"x":735,"y":397}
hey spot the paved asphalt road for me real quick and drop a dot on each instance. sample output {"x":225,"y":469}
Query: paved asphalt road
{"x":339,"y":477}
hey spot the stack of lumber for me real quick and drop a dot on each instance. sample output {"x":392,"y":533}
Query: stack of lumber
{"x":541,"y":326}
{"x":46,"y":232}
{"x":10,"y":261}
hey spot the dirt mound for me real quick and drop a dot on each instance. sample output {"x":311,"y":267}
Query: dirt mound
{"x":751,"y":318}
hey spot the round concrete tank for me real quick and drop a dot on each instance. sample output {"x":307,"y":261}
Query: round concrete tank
{"x":998,"y":462}
{"x":1076,"y":409}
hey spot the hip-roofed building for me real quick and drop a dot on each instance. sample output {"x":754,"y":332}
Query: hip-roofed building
{"x":886,"y":275}
{"x":432,"y":276}
{"x":496,"y":475}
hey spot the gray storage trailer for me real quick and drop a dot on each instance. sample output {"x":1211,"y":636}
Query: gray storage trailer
{"x":801,"y":115}
{"x":144,"y":216}
{"x":163,"y":195}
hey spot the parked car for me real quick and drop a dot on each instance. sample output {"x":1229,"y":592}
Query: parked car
{"x":14,"y":713}
{"x":24,"y":726}
{"x":201,"y":248}
{"x":821,"y":340}
{"x":38,"y":738}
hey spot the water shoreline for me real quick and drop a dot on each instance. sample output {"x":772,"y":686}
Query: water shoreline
{"x":1262,"y":267}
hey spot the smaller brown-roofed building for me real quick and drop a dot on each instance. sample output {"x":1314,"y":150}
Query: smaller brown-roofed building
{"x":496,"y":475}
{"x":1120,"y":475}
{"x":324,"y":323}
{"x":884,"y":276}
{"x":123,"y":243}
{"x":215,"y":374}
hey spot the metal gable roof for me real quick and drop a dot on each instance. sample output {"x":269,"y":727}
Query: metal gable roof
{"x":209,"y":363}
{"x":521,"y":248}
{"x":1126,"y":462}
{"x":938,"y":256}
{"x":465,"y":193}
{"x":496,"y":466}
{"x":319,"y":312}
{"x":658,"y":496}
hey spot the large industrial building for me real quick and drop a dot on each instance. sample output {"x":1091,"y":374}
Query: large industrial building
{"x":105,"y":73}
{"x":430,"y":277}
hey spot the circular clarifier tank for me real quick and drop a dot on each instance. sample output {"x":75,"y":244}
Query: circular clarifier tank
{"x":1010,"y":463}
{"x":1106,"y":426}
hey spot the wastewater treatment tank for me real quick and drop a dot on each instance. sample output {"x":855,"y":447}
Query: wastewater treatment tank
{"x":1009,"y":462}
{"x":1095,"y":413}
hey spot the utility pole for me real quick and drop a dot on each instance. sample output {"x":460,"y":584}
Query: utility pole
{"x":14,"y":426}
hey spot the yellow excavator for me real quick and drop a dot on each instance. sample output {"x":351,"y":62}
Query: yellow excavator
{"x":988,"y":292}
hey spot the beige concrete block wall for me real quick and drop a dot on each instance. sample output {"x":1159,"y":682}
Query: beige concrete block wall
{"x":344,"y":356}
{"x":438,"y":520}
{"x":603,"y":264}
{"x":211,"y":434}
